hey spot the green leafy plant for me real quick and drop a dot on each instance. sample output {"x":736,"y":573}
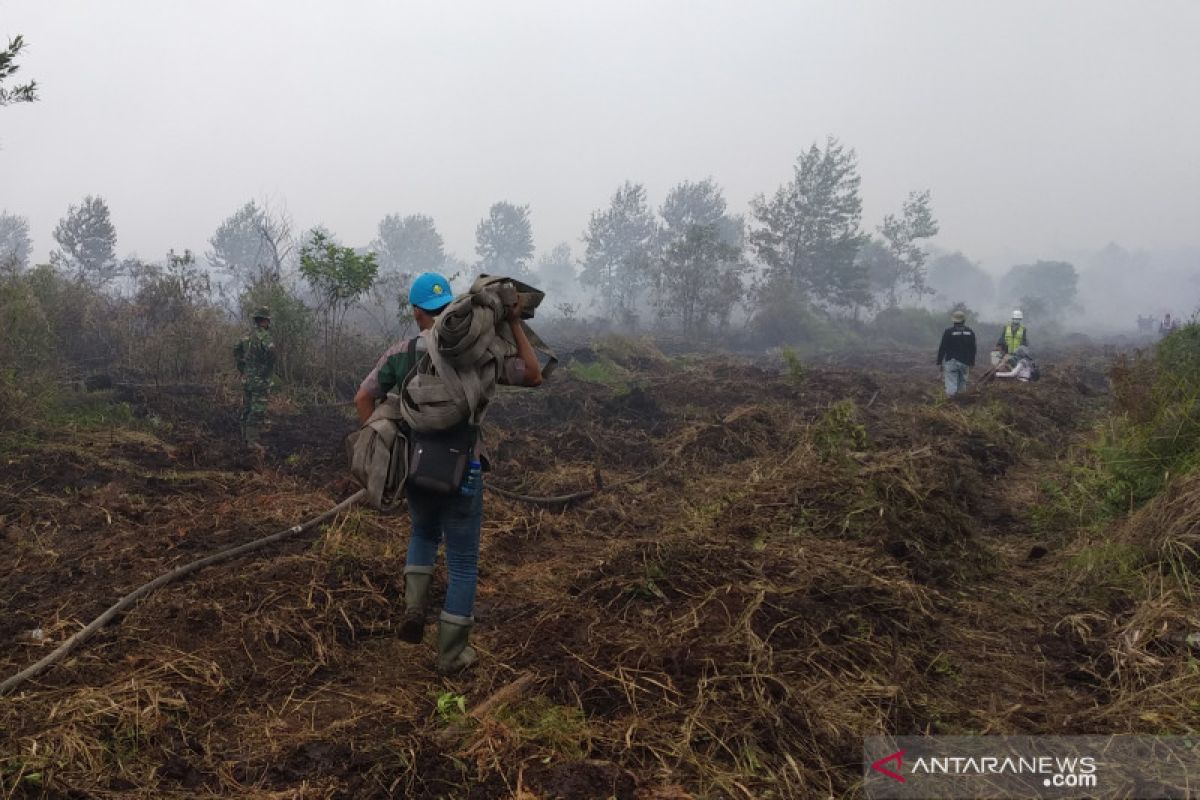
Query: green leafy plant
{"x":839,"y":430}
{"x":338,"y":276}
{"x":451,"y":707}
{"x":1158,"y":437}
{"x":792,"y":365}
{"x":560,"y":729}
{"x":602,"y":371}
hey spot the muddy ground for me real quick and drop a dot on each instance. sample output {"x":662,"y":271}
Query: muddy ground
{"x":774,"y":566}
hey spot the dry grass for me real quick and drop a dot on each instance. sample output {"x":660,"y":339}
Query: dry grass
{"x":1141,"y":652}
{"x":777,"y":571}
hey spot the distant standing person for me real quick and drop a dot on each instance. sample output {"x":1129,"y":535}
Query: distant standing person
{"x":1166,"y":326}
{"x":1012,"y":337}
{"x":255,"y":359}
{"x":956,"y":355}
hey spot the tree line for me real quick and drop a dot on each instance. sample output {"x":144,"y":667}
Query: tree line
{"x":690,"y":264}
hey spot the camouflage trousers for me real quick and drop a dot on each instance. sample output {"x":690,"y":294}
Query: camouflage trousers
{"x":254,"y":409}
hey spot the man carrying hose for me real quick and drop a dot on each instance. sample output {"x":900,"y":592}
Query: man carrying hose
{"x":455,"y":517}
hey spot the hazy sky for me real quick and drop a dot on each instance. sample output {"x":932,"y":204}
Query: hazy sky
{"x":1040,"y":126}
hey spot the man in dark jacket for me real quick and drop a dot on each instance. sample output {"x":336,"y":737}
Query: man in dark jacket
{"x":956,"y":355}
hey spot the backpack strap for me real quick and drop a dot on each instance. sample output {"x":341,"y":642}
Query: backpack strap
{"x":411,"y":357}
{"x":410,"y":368}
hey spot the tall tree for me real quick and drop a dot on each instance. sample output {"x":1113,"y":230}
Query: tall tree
{"x":15,"y":244}
{"x":620,"y":244}
{"x":168,"y":290}
{"x":405,"y":247}
{"x":338,"y":276}
{"x":1042,"y":288}
{"x":408,"y":245}
{"x":504,"y":241}
{"x":902,"y":236}
{"x":556,"y":272}
{"x":692,"y":203}
{"x":252,"y":244}
{"x":698,"y":276}
{"x":809,"y":232}
{"x":86,"y":243}
{"x":700,"y":203}
{"x":20,"y":93}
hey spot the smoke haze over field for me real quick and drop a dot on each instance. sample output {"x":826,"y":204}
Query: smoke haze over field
{"x":1042,"y":129}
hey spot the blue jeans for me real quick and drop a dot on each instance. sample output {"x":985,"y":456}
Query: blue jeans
{"x":457,"y":519}
{"x":954,"y":373}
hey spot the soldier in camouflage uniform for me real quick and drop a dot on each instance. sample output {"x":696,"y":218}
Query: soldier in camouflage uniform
{"x":255,"y":358}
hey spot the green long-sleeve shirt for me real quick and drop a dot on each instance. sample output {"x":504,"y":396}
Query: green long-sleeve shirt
{"x":255,"y":356}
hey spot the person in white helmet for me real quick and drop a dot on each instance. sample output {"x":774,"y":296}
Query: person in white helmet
{"x":1012,"y":337}
{"x":1167,"y":326}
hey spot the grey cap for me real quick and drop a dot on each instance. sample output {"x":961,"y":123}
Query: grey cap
{"x":958,"y":316}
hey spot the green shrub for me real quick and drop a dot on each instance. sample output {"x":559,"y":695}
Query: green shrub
{"x":1111,"y":564}
{"x":784,"y":317}
{"x":1159,"y":435}
{"x":28,"y":339}
{"x":793,"y":365}
{"x":839,"y":430}
{"x":86,"y":325}
{"x":1178,"y":361}
{"x":629,"y":351}
{"x":601,"y":371}
{"x":1076,"y":499}
{"x":560,"y":730}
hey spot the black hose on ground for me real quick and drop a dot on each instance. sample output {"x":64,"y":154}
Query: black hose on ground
{"x":162,"y":580}
{"x":128,"y":600}
{"x":559,"y":500}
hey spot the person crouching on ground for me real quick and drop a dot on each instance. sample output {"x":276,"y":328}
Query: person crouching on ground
{"x":956,"y":355}
{"x":1023,"y":371}
{"x":455,"y":518}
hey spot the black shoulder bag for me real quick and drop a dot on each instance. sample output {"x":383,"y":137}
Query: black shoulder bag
{"x":438,"y":460}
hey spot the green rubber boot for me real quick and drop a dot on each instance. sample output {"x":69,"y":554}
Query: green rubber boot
{"x":416,"y":601}
{"x":454,"y":654}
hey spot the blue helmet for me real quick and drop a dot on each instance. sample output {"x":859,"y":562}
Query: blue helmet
{"x":430,"y":291}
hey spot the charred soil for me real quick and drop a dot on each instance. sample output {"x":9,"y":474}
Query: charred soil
{"x":771,"y":569}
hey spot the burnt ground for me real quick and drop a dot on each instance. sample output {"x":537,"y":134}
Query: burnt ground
{"x":773,"y":568}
